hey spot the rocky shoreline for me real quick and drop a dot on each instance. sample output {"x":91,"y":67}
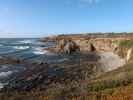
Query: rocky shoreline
{"x":81,"y":61}
{"x":84,"y":43}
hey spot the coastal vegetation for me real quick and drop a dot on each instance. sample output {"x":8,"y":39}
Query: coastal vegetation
{"x":126,"y":43}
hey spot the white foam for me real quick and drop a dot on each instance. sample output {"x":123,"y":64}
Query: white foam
{"x":40,"y":51}
{"x":2,"y":85}
{"x":26,"y":41}
{"x":21,"y":47}
{"x":5,"y":74}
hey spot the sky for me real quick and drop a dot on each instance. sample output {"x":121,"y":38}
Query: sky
{"x":37,"y":18}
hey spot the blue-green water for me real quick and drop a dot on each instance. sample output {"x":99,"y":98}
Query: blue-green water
{"x":23,"y":48}
{"x":13,"y":45}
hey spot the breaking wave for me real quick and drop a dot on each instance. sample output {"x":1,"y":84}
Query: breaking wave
{"x":40,"y":51}
{"x":21,"y":47}
{"x":26,"y":41}
{"x":5,"y":74}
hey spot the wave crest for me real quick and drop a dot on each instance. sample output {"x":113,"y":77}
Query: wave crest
{"x":21,"y":47}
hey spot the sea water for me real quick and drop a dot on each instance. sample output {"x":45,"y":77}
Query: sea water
{"x":24,"y":48}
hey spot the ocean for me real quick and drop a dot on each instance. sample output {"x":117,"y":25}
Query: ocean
{"x":22,"y":48}
{"x":12,"y":45}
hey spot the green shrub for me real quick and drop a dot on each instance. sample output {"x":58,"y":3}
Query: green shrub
{"x":107,"y":84}
{"x":126,"y":43}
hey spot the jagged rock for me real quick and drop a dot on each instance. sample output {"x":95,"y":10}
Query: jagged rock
{"x":129,"y":54}
{"x":61,"y":45}
{"x":66,"y":46}
{"x":70,"y":46}
{"x":86,"y":46}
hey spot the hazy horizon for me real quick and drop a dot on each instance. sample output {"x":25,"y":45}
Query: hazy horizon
{"x":41,"y":36}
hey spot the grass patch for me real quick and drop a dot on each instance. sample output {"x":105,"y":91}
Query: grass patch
{"x":126,"y":43}
{"x":118,"y":78}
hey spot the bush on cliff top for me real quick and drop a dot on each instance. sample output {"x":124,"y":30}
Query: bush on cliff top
{"x":126,"y":43}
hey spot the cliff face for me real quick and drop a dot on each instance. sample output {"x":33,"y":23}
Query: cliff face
{"x":101,"y":44}
{"x":125,"y":52}
{"x":105,"y":44}
{"x":87,"y":45}
{"x":91,"y":42}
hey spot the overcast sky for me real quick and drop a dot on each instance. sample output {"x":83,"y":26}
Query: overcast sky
{"x":35,"y":18}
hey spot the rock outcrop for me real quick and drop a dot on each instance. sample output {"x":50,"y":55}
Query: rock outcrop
{"x":125,"y":52}
{"x":96,"y":45}
{"x":90,"y":43}
{"x":129,"y":54}
{"x":85,"y":45}
{"x":66,"y":46}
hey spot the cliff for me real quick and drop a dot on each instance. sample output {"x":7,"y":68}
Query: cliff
{"x":119,"y":44}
